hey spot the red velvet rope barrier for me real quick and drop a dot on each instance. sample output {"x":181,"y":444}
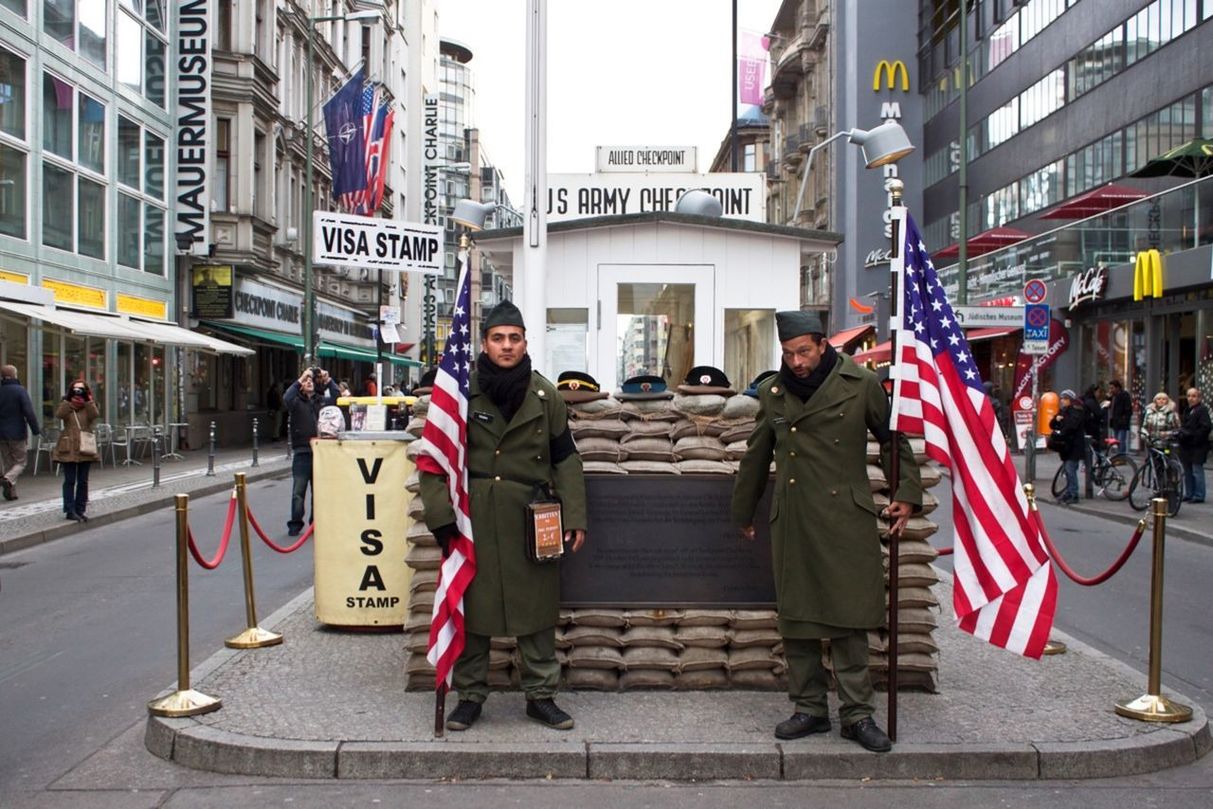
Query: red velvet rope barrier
{"x":223,"y":541}
{"x":290,"y":549}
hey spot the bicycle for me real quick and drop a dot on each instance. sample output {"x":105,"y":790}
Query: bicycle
{"x":1160,"y":476}
{"x":1112,"y":471}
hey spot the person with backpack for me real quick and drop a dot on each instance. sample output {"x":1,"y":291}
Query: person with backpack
{"x":1069,"y":441}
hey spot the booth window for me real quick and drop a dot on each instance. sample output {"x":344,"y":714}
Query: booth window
{"x":749,"y":344}
{"x":566,"y":346}
{"x":655,"y":331}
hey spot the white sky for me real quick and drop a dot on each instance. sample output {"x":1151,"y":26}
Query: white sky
{"x":623,"y":73}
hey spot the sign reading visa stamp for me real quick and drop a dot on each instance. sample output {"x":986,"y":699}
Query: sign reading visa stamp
{"x":345,"y":240}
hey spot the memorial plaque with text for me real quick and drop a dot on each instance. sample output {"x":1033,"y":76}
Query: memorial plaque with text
{"x":667,"y":541}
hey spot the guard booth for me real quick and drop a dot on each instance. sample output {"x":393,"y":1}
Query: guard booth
{"x":662,"y":292}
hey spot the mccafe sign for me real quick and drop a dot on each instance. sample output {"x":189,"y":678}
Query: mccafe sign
{"x":1088,"y":286}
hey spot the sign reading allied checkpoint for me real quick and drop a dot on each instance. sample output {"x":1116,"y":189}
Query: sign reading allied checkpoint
{"x":345,"y":240}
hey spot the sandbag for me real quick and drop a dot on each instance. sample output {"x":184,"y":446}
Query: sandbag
{"x":653,"y":617}
{"x":739,"y":407}
{"x":700,"y":659}
{"x":916,"y":597}
{"x":708,"y":637}
{"x":649,"y":410}
{"x":595,"y":657}
{"x":650,"y":657}
{"x":756,"y":680}
{"x":745,"y":638}
{"x":700,"y":447}
{"x":754,"y":619}
{"x":596,"y":409}
{"x":423,"y":580}
{"x":755,"y":657}
{"x":640,"y":428}
{"x":634,"y":467}
{"x":602,"y":468}
{"x":421,"y":406}
{"x":697,"y":426}
{"x":915,"y":528}
{"x":597,"y":617}
{"x":413,"y":482}
{"x":736,"y":450}
{"x":647,"y":678}
{"x":701,"y":680}
{"x":415,"y":508}
{"x":596,"y":448}
{"x":598,"y":428}
{"x":704,"y":467}
{"x":656,"y":636}
{"x":738,"y":432}
{"x":593,"y":636}
{"x":704,"y":404}
{"x":591,"y":679}
{"x":424,"y":557}
{"x":705,"y":618}
{"x":419,"y":534}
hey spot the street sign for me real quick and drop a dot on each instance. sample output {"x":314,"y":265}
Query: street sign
{"x":1036,"y":323}
{"x":998,"y":316}
{"x":1035,"y":347}
{"x":345,"y":240}
{"x":1035,"y":291}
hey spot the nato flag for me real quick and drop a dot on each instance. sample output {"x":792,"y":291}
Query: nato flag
{"x":347,"y":141}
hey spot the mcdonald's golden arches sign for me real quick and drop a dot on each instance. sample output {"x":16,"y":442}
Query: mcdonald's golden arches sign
{"x":890,"y":71}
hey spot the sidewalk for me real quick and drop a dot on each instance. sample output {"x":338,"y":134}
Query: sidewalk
{"x":116,"y":493}
{"x":1193,"y":522}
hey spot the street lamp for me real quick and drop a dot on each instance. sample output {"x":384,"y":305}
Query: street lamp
{"x":309,"y":293}
{"x":881,"y":145}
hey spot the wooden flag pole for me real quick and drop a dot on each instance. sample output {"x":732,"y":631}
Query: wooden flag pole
{"x":439,"y":709}
{"x":897,"y":262}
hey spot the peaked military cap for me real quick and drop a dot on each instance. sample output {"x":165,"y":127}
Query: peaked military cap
{"x":578,"y":386}
{"x":704,"y":379}
{"x":644,"y":386}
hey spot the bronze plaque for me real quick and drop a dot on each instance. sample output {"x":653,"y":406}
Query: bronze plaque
{"x":212,"y":287}
{"x":666,"y":541}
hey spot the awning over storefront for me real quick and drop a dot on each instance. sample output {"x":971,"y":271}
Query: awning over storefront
{"x":989,"y":333}
{"x":882,"y":352}
{"x":324,"y":350}
{"x":985,"y":242}
{"x":168,"y":334}
{"x":847,"y":337}
{"x":82,"y":323}
{"x":1097,"y":200}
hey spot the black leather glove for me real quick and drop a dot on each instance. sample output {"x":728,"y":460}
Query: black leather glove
{"x":445,"y":534}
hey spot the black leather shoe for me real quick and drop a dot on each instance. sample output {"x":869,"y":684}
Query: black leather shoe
{"x":71,"y":516}
{"x":82,"y":516}
{"x":545,"y":711}
{"x":867,"y":735}
{"x":464,"y":716}
{"x":8,"y":489}
{"x":800,"y":725}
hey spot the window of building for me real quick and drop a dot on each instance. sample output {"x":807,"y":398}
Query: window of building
{"x":1097,"y":63}
{"x":73,"y":22}
{"x":1094,"y":164}
{"x":17,"y":7}
{"x":141,"y":50}
{"x":220,"y":194}
{"x":749,"y":160}
{"x":12,"y":94}
{"x":1042,"y":99}
{"x":73,"y":169}
{"x":140,"y":210}
{"x":1159,"y":132}
{"x":260,"y":193}
{"x":130,"y":152}
{"x":13,"y":145}
{"x":1002,"y":206}
{"x":1040,"y":189}
{"x":12,"y":191}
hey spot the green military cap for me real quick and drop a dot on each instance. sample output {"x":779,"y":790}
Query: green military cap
{"x":795,"y":323}
{"x":503,"y":314}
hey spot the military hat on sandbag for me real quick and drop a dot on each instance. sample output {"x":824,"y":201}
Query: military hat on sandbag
{"x":706,"y":380}
{"x":503,"y":314}
{"x":578,"y":386}
{"x":643,"y":386}
{"x":426,"y":386}
{"x":752,"y":390}
{"x":795,"y":323}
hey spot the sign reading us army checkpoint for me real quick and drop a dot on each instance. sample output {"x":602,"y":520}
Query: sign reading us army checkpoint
{"x":345,"y":240}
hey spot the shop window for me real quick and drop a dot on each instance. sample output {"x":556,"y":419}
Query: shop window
{"x":14,"y":347}
{"x":749,"y":340}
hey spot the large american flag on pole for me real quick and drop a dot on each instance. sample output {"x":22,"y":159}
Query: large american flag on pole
{"x":444,"y":452}
{"x":1005,"y":590}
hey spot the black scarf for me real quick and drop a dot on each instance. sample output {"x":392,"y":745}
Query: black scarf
{"x":804,"y":388}
{"x":505,"y":387}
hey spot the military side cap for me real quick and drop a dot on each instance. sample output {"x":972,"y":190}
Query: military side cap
{"x":704,"y":379}
{"x":645,"y":386}
{"x":503,"y":314}
{"x":426,"y":386}
{"x":752,"y":390}
{"x":795,"y":323}
{"x":578,"y":386}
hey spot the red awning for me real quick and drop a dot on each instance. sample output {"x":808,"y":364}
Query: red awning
{"x":986,"y":242}
{"x":847,"y":336}
{"x":878,"y":353}
{"x":1097,"y":200}
{"x":989,"y":333}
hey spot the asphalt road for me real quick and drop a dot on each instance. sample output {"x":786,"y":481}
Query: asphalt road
{"x":88,"y":629}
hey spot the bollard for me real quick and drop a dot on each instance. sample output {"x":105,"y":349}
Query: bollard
{"x":1153,"y":706}
{"x":254,"y":637}
{"x":255,"y":428}
{"x":185,"y":701}
{"x":210,"y":458}
{"x":157,"y":438}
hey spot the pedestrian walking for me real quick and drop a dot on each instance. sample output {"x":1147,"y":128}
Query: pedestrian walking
{"x":1069,"y":441}
{"x":519,"y":444}
{"x":1194,"y":445}
{"x":17,"y":421}
{"x":1120,"y":413}
{"x":76,"y":450}
{"x":303,"y":402}
{"x":814,"y":419}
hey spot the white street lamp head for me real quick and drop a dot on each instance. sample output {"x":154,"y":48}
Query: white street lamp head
{"x":883,"y":144}
{"x":470,"y":214}
{"x":698,"y":203}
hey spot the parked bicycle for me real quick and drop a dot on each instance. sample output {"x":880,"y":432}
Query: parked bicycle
{"x":1112,"y":471}
{"x":1160,"y":476}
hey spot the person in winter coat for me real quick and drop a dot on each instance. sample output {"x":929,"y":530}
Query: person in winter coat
{"x":78,"y":412}
{"x":814,"y":420}
{"x":1069,"y":427}
{"x":1120,"y":413}
{"x":1159,"y":421}
{"x":16,"y":414}
{"x":518,"y":441}
{"x":1194,"y":446}
{"x":303,"y":400}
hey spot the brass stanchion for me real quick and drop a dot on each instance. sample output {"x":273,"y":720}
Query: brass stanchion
{"x":1153,"y":706}
{"x":185,"y":701}
{"x":254,"y":637}
{"x":1052,"y":647}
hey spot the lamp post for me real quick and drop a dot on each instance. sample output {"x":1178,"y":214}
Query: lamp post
{"x":309,"y":293}
{"x":881,"y":145}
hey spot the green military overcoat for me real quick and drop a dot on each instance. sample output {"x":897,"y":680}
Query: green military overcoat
{"x":511,"y":595}
{"x":825,"y":545}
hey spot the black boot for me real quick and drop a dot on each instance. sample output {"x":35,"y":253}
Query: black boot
{"x":800,"y":725}
{"x":545,"y":711}
{"x":464,"y":716}
{"x":866,"y":733}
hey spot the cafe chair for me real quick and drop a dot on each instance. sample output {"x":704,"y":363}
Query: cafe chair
{"x":46,"y":443}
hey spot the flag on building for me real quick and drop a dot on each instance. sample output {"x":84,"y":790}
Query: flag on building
{"x":444,"y":452}
{"x":378,"y":150}
{"x":751,"y":68}
{"x":1004,"y":589}
{"x":343,"y":122}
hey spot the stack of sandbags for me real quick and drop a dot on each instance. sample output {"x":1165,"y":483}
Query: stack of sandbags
{"x":597,"y":428}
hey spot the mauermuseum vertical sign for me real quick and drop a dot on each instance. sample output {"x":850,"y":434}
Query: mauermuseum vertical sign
{"x":194,"y":146}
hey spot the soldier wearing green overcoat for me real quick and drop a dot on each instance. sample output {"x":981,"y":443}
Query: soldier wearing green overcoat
{"x":518,"y":443}
{"x":813,"y":421}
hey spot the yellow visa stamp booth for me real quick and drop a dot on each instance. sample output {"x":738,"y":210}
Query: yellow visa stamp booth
{"x":361,"y":518}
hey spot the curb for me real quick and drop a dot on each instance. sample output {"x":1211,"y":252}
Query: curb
{"x":1174,"y":527}
{"x":191,"y":743}
{"x":64,"y":529}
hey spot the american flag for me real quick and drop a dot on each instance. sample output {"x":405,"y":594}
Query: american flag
{"x":1005,"y":590}
{"x":355,"y":201}
{"x":444,"y":452}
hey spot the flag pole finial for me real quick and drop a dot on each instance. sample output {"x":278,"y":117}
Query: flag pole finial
{"x":895,"y":188}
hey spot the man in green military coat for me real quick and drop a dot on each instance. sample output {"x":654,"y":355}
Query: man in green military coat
{"x":829,"y":580}
{"x":518,"y":440}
